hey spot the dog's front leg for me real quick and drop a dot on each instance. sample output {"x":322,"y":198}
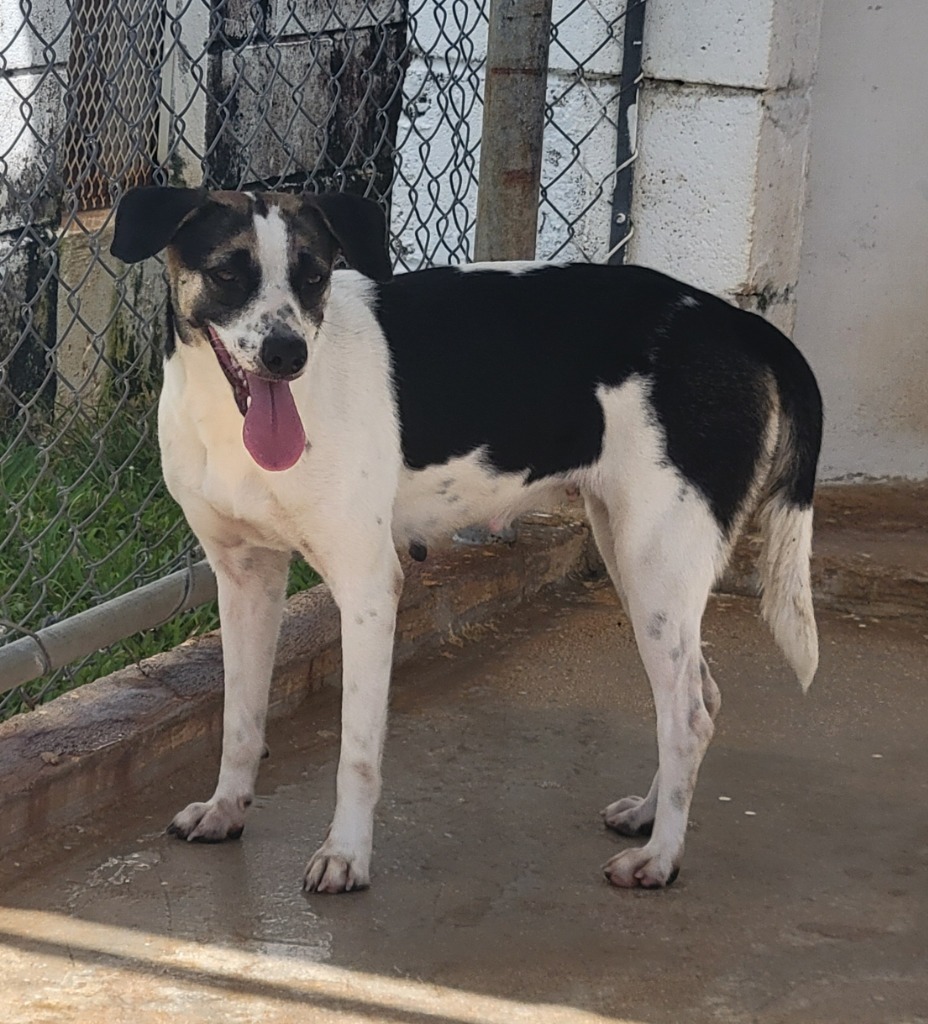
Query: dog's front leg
{"x":252,"y":585}
{"x":367,"y":600}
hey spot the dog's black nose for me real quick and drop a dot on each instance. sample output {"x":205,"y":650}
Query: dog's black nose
{"x":283,"y":353}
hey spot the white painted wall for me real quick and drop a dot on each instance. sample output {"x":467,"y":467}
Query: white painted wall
{"x":863,"y":290}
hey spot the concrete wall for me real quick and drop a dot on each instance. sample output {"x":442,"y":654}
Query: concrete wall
{"x":863,"y":288}
{"x":723,"y":131}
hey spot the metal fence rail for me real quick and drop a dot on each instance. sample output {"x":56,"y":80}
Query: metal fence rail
{"x":379,"y":97}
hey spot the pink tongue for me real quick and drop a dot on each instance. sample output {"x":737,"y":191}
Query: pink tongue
{"x":273,"y":432}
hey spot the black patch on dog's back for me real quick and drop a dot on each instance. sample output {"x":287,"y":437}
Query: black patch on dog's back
{"x":501,"y":360}
{"x":512,"y":363}
{"x":712,"y":399}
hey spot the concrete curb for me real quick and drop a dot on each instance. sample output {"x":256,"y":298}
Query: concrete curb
{"x":102,"y":744}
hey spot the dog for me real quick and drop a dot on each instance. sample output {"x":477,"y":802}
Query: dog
{"x":347,"y":413}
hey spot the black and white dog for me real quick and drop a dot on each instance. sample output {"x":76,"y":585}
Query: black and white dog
{"x":344,"y":414}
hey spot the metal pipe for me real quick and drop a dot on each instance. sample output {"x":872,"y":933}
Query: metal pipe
{"x":519,"y":33}
{"x":86,"y":633}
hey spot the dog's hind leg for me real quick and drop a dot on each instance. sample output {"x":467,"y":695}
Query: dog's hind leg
{"x":252,"y":585}
{"x":366,"y":589}
{"x":634,"y":815}
{"x":667,"y":553}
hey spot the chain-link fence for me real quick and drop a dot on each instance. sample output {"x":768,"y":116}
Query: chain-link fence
{"x":379,"y":97}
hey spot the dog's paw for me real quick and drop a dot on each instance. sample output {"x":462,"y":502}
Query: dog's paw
{"x":631,"y":816}
{"x":328,"y":871}
{"x":212,"y":822}
{"x":640,"y":867}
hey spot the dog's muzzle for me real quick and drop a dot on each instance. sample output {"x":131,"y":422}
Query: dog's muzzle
{"x":272,"y":430}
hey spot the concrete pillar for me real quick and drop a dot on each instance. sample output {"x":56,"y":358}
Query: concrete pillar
{"x":111,"y":318}
{"x":723,"y":134}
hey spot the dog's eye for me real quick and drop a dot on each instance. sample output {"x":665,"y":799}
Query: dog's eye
{"x":308,"y":278}
{"x":307,"y":270}
{"x":222,"y":275}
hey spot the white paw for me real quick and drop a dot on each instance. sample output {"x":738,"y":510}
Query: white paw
{"x":641,"y":867}
{"x":331,"y":871}
{"x":632,"y":816}
{"x":212,"y":822}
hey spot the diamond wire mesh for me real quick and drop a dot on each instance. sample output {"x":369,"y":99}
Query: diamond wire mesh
{"x":380,"y":97}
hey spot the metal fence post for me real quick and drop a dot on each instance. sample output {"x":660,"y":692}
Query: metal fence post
{"x":513,"y":126}
{"x":626,"y":142}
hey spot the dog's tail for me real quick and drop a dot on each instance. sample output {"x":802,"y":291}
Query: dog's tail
{"x":785,"y":510}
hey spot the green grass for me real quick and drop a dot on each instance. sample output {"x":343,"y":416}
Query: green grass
{"x":87,"y":517}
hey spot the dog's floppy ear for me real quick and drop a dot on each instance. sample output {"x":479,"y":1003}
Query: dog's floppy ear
{"x":148,"y":217}
{"x":360,"y":229}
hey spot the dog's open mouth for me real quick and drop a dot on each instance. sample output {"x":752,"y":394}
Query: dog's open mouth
{"x":272,"y":431}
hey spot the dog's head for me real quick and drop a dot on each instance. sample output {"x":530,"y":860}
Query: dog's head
{"x":250,"y":275}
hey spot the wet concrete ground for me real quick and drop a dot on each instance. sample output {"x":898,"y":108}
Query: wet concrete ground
{"x":803,"y":895}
